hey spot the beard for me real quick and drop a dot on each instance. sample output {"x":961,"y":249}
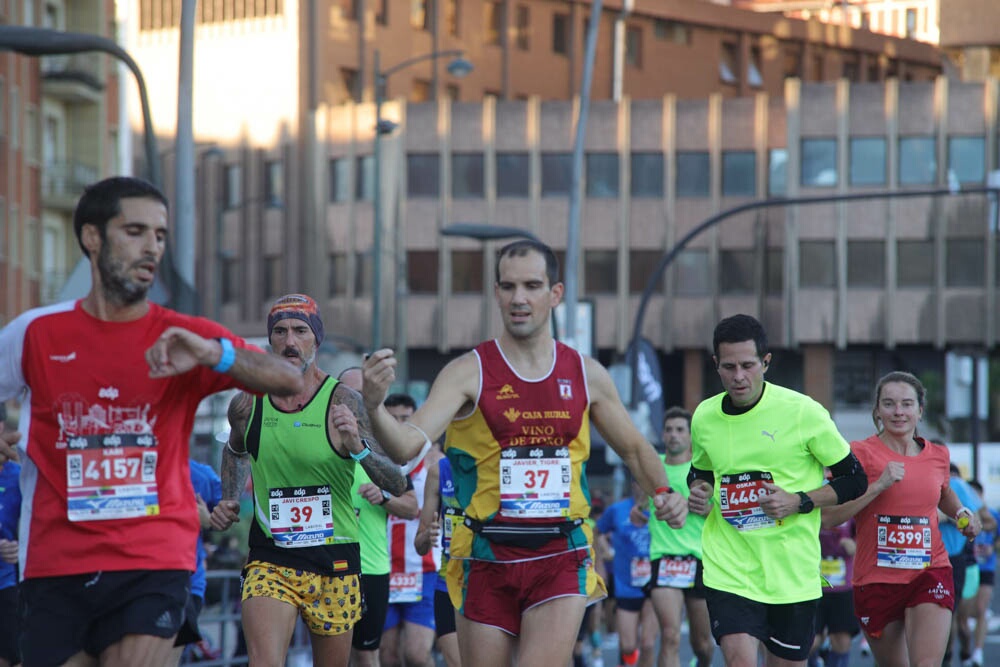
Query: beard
{"x":117,"y":287}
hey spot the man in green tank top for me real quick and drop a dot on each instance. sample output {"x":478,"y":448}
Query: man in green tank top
{"x":302,"y":452}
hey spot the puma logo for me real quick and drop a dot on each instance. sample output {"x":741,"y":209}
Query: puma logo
{"x":770,"y":435}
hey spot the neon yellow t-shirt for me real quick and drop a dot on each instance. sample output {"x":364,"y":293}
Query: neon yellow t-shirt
{"x":667,"y":541}
{"x":787,"y":438}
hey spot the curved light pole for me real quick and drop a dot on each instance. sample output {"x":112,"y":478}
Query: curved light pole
{"x":458,"y":67}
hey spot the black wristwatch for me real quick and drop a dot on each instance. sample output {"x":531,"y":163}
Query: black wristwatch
{"x":805,"y":503}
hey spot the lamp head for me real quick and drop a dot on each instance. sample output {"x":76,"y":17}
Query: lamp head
{"x":459,"y":67}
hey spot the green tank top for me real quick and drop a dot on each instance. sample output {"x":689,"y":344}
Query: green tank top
{"x":371,"y":525}
{"x":303,"y":516}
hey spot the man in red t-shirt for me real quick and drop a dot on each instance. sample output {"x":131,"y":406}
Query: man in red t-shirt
{"x":109,"y":387}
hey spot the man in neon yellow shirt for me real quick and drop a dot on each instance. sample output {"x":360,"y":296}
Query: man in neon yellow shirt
{"x":758,"y":453}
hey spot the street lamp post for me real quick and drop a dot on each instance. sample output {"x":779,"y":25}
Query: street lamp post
{"x":458,"y":67}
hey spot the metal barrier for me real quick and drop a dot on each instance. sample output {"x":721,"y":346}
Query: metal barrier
{"x":220,"y":625}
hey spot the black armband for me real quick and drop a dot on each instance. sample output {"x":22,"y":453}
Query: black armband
{"x":703,"y":475}
{"x":849,"y":478}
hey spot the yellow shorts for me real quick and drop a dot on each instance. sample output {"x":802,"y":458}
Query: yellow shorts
{"x":328,"y":605}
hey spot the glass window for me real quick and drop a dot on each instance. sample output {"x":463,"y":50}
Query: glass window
{"x":917,"y":161}
{"x":819,"y":162}
{"x":737,"y":274}
{"x":693,"y":174}
{"x":234,"y":186}
{"x":817,"y":264}
{"x":272,"y":276}
{"x":363,"y":273}
{"x":523,"y":28}
{"x":691,"y":267}
{"x":646,"y":174}
{"x":754,"y":77}
{"x":774,"y":271}
{"x":965,"y":263}
{"x":600,"y":271}
{"x":467,"y":175}
{"x":513,"y":170}
{"x":493,"y":21}
{"x":422,"y":175}
{"x":451,"y":20}
{"x":340,"y":179}
{"x":867,"y":161}
{"x":777,"y":172}
{"x":337,"y":274}
{"x":274,"y":183}
{"x":739,"y":173}
{"x":967,"y":159}
{"x":672,"y":31}
{"x":419,"y":16}
{"x":728,"y":63}
{"x":466,"y":271}
{"x":422,"y":271}
{"x":865,"y":263}
{"x":633,"y":46}
{"x":560,"y":33}
{"x":915,"y":264}
{"x":602,"y":175}
{"x":557,"y":169}
{"x":230,"y":279}
{"x":641,"y":264}
{"x":364,"y":179}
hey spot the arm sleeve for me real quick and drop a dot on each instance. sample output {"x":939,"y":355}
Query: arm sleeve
{"x":704,"y":475}
{"x":849,"y":478}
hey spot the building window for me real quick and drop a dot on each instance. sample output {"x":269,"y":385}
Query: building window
{"x":967,"y":159}
{"x":422,"y":271}
{"x":739,"y":173}
{"x":817,"y":264}
{"x":419,"y":16}
{"x":340,"y":179}
{"x":337,"y":274}
{"x":791,"y":61}
{"x":867,"y":161}
{"x":777,"y":172}
{"x":420,"y":91}
{"x":364,"y":178}
{"x":467,"y":272}
{"x":230,"y":279}
{"x":691,"y":268}
{"x":915,"y":264}
{"x":917,"y":160}
{"x":422,"y":177}
{"x":363,"y":274}
{"x":729,"y":63}
{"x":557,"y":169}
{"x":850,"y":69}
{"x":646,"y":174}
{"x":819,"y":163}
{"x":350,"y":79}
{"x":816,"y":67}
{"x":513,"y":172}
{"x":672,"y":31}
{"x":602,"y":175}
{"x":965,"y":263}
{"x":865,"y":264}
{"x":451,"y":17}
{"x":737,"y":273}
{"x":272,"y":277}
{"x":911,"y":22}
{"x":467,"y":175}
{"x":523,"y":27}
{"x":381,"y":12}
{"x":560,"y":33}
{"x":633,"y":45}
{"x":641,"y":264}
{"x":692,"y":174}
{"x":754,"y":78}
{"x":349,"y":9}
{"x":234,"y":186}
{"x":493,"y":22}
{"x":274,"y":183}
{"x":600,"y":271}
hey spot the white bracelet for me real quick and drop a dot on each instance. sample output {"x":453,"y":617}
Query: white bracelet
{"x":415,"y":461}
{"x":234,"y":452}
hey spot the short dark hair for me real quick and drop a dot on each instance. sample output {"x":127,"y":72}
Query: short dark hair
{"x":976,"y":486}
{"x":102,"y":201}
{"x":396,"y":400}
{"x":522,"y":247}
{"x":677,"y":412}
{"x":737,"y":329}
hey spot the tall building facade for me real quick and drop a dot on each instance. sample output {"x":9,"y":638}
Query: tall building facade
{"x":913,"y":19}
{"x":60,"y":127}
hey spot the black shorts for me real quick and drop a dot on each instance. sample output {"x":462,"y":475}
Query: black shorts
{"x":374,"y":606}
{"x":444,"y":614}
{"x":987,"y":577}
{"x":786,"y":630}
{"x":631,"y":604}
{"x":10,"y":626}
{"x":697,"y":591}
{"x":62,"y":616}
{"x":958,"y":565}
{"x":189,"y":632}
{"x":835,"y":613}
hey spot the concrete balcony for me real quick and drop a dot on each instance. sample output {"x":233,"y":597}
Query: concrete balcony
{"x":74,"y":79}
{"x":62,"y":183}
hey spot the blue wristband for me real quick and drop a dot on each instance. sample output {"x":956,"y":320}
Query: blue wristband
{"x":364,"y":453}
{"x":228,"y":357}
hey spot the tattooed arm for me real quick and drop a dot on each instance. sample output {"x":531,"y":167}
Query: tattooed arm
{"x":235,"y":464}
{"x":349,"y":419}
